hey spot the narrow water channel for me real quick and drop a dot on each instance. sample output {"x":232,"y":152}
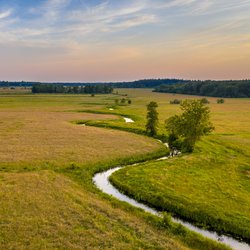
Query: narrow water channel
{"x":101,"y":180}
{"x":128,"y":120}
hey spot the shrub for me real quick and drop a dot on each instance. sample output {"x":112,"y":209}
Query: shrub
{"x":175,"y":101}
{"x":166,"y":220}
{"x":205,"y":101}
{"x":123,"y":101}
{"x":220,"y":101}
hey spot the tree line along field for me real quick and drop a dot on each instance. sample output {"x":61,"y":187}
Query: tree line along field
{"x":47,"y":197}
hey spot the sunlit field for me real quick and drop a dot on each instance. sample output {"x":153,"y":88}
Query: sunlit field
{"x":95,"y":152}
{"x":44,"y":210}
{"x":211,"y":186}
{"x":47,"y":162}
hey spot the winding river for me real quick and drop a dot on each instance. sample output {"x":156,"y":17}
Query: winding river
{"x":101,"y":180}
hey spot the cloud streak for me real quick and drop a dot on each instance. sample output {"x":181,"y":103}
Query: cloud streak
{"x":5,"y":14}
{"x":54,"y":17}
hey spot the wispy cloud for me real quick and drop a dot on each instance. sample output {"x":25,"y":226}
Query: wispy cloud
{"x":53,"y":19}
{"x":111,"y":26}
{"x":5,"y":14}
{"x":97,"y":18}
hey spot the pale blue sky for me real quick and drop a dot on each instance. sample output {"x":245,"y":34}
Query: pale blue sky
{"x":80,"y":40}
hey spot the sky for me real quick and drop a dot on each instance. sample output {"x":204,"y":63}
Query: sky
{"x":122,"y":40}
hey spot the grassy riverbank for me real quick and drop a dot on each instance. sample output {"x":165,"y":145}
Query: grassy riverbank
{"x":47,"y":162}
{"x":211,"y":186}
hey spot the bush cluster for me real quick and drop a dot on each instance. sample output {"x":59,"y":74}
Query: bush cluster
{"x":175,"y":101}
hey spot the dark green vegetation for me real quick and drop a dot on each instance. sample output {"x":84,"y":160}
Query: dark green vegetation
{"x":186,"y":129}
{"x":209,"y":88}
{"x":227,"y":88}
{"x":47,"y":197}
{"x":175,"y":101}
{"x":220,"y":101}
{"x":56,"y":88}
{"x":146,"y":83}
{"x":152,"y":119}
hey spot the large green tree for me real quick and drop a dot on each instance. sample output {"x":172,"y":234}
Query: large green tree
{"x":152,"y":119}
{"x":191,"y":125}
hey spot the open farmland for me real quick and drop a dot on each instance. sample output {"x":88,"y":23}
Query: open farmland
{"x":47,"y":162}
{"x":211,"y":186}
{"x":124,"y":125}
{"x":44,"y":210}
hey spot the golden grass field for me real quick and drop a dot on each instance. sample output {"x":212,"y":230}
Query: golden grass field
{"x":37,"y":137}
{"x":41,"y":209}
{"x":46,"y":161}
{"x":44,"y":210}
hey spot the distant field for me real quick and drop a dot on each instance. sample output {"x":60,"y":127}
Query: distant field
{"x":231,"y":117}
{"x":14,"y":90}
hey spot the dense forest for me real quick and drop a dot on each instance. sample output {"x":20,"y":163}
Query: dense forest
{"x":30,"y":84}
{"x":88,"y":89}
{"x":146,"y":83}
{"x":229,"y":89}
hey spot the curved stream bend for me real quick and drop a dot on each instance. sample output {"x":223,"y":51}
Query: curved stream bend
{"x":101,"y":181}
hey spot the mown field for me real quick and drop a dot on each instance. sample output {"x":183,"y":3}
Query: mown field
{"x":47,"y":162}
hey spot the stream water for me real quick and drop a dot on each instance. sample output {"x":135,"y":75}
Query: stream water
{"x":101,"y":180}
{"x":128,"y":120}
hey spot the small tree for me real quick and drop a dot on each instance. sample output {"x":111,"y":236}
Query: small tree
{"x":123,"y":101}
{"x":152,"y":119}
{"x":220,"y":101}
{"x":175,"y":101}
{"x":205,"y":101}
{"x":191,"y":125}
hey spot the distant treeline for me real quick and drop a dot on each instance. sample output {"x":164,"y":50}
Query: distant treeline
{"x":7,"y":84}
{"x":88,"y":89}
{"x":147,"y":83}
{"x":30,"y":84}
{"x":229,"y":89}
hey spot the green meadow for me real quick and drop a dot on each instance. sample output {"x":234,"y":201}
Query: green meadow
{"x":47,"y":161}
{"x":209,"y":187}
